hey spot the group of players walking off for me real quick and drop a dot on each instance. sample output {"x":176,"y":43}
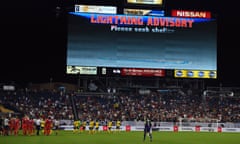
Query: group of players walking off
{"x":28,"y":126}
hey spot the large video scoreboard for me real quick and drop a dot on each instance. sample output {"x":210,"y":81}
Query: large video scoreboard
{"x":147,"y":40}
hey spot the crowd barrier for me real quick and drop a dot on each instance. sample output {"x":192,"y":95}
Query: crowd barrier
{"x":129,"y":128}
{"x":166,"y":126}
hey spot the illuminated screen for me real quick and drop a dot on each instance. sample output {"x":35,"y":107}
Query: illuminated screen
{"x":126,"y":41}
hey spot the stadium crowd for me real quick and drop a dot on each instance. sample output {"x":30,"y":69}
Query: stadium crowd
{"x":128,"y":106}
{"x":165,"y":107}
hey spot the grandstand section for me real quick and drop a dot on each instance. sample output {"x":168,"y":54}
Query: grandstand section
{"x":182,"y":106}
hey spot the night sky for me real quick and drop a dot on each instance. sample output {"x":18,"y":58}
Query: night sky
{"x":33,"y":40}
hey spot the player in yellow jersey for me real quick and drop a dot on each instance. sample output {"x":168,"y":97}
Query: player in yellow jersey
{"x":109,"y":126}
{"x":91,"y":127}
{"x":96,"y":126}
{"x":118,"y":126}
{"x":76,"y":126}
{"x":42,"y":124}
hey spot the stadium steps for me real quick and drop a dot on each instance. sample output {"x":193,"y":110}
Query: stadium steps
{"x":75,"y":113}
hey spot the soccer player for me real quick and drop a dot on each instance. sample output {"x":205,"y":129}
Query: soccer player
{"x":11,"y":125}
{"x":118,"y":125}
{"x":42,"y":124}
{"x":48,"y":126}
{"x":147,"y":129}
{"x":30,"y":126}
{"x":17,"y":125}
{"x":24,"y":125}
{"x":109,"y":126}
{"x":96,"y":126}
{"x":91,"y":127}
{"x":76,"y":126}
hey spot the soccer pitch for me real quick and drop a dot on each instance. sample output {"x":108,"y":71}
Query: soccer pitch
{"x":68,"y":137}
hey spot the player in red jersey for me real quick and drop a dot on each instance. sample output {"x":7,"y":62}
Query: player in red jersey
{"x":30,"y":126}
{"x":11,"y":125}
{"x":17,"y":125}
{"x":48,"y":126}
{"x":24,"y":125}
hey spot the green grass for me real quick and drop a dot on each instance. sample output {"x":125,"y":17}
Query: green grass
{"x":67,"y":137}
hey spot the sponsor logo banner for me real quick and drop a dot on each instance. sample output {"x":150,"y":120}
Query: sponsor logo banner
{"x":195,"y":74}
{"x":142,"y":72}
{"x":192,"y":14}
{"x":143,"y":12}
{"x":96,"y":9}
{"x":81,"y":70}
